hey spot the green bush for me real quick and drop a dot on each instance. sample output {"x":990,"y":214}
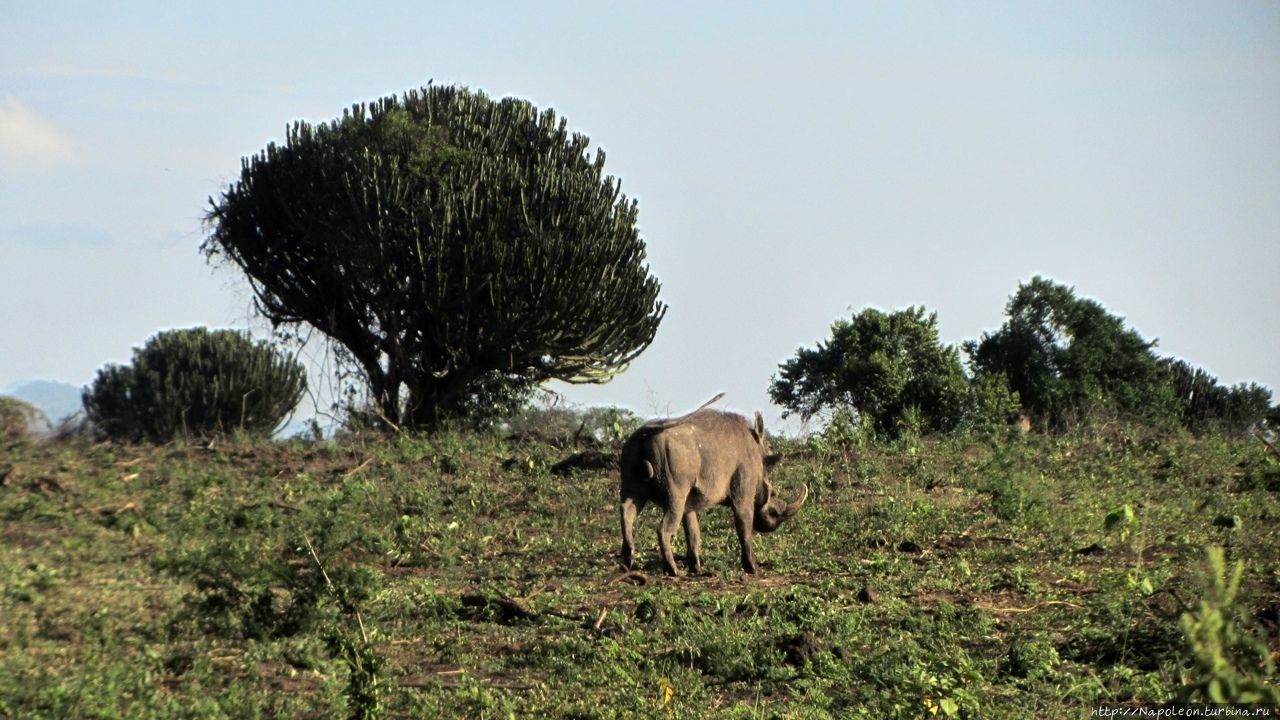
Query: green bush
{"x":195,"y":382}
{"x":888,"y":370}
{"x":993,"y":403}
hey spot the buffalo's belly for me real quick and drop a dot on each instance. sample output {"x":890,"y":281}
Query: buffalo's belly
{"x":698,"y":501}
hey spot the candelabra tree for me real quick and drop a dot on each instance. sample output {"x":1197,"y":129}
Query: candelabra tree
{"x":459,"y":250}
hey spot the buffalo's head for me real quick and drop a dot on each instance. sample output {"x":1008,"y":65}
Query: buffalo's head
{"x":774,"y":510}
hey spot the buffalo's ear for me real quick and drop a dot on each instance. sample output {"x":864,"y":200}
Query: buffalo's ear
{"x":764,"y":493}
{"x":771,"y":460}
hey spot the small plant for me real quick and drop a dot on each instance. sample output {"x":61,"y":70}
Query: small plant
{"x":1031,"y":658}
{"x":1017,"y":498}
{"x":1228,"y":658}
{"x":842,"y":432}
{"x":1262,"y":472}
{"x":1122,"y":521}
{"x":362,"y":660}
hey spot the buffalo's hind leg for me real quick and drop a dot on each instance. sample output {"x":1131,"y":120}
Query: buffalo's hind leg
{"x":628,"y":510}
{"x":693,"y":538}
{"x":675,"y":512}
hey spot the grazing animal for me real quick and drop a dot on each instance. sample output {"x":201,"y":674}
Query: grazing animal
{"x":692,"y":462}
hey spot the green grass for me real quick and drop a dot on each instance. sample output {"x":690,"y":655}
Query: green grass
{"x":455,"y":576}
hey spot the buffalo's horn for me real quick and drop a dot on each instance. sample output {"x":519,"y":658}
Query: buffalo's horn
{"x":793,"y":507}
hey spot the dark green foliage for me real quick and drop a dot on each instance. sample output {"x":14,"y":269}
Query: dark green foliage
{"x":889,"y":368}
{"x":993,"y":405}
{"x":195,"y":382}
{"x":1066,"y":356}
{"x":460,"y":250}
{"x":1031,"y":658}
{"x":1205,"y":406}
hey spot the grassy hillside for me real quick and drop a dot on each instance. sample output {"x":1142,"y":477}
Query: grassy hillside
{"x":457,"y":576}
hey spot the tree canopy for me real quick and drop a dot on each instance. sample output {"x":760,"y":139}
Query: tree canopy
{"x":459,"y":250}
{"x":1058,"y":357}
{"x":1204,"y":405}
{"x":1066,"y":355}
{"x":890,"y":369}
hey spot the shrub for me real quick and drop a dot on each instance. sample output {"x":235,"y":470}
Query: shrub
{"x":195,"y":382}
{"x":889,"y":370}
{"x":992,"y":403}
{"x":19,"y":419}
{"x":564,"y":426}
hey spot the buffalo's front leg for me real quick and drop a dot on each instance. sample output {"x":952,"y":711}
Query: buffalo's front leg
{"x":742,"y":523}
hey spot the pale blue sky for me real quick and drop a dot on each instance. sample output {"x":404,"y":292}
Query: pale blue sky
{"x":793,"y":162}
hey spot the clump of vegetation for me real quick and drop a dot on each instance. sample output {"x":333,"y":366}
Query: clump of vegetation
{"x":195,"y":382}
{"x":433,"y":576}
{"x":1066,"y":356}
{"x":565,"y":426}
{"x":994,"y":407}
{"x":1230,"y":661}
{"x":1206,"y":406}
{"x":19,"y":420}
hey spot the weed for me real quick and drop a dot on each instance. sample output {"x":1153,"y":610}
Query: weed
{"x":1016,"y":495}
{"x":1229,"y":659}
{"x":1031,"y":657}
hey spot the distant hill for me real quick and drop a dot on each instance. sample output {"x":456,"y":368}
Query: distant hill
{"x":56,"y":400}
